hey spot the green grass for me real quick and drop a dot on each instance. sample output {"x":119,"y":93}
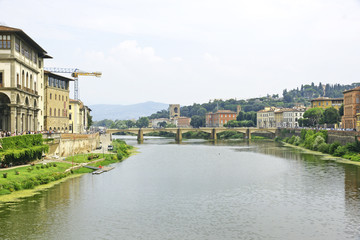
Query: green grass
{"x":24,"y":174}
{"x":83,"y":158}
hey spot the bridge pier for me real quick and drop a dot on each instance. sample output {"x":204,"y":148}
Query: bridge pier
{"x":140,"y":136}
{"x":178,"y":136}
{"x":213,"y":134}
{"x":248,"y":133}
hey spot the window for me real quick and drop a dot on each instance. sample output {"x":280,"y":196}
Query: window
{"x":55,"y":96}
{"x":5,"y":42}
{"x":59,"y":112}
{"x":62,"y":98}
{"x":70,"y":107}
{"x":17,"y":44}
{"x":50,"y":95}
{"x":50,"y":112}
{"x":70,"y":116}
{"x":17,"y":79}
{"x":1,"y":79}
{"x":55,"y":112}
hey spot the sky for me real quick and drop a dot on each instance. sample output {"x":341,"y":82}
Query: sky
{"x":193,"y":51}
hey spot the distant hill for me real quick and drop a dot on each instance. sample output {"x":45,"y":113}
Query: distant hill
{"x":125,"y":112}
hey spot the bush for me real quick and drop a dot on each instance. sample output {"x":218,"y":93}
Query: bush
{"x":333,"y":147}
{"x":119,"y":156}
{"x":340,"y":151}
{"x":318,"y":140}
{"x":292,"y":139}
{"x":323,"y":147}
{"x":297,"y":141}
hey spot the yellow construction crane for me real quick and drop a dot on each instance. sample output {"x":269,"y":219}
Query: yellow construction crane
{"x":75,"y":73}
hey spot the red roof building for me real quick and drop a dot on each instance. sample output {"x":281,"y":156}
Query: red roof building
{"x":219,"y":118}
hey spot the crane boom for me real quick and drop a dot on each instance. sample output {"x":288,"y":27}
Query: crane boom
{"x":75,"y":73}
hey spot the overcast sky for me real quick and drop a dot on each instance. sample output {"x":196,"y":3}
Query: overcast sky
{"x":186,"y":51}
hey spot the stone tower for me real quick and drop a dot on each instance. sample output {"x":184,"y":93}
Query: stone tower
{"x":238,"y":110}
{"x":174,"y":110}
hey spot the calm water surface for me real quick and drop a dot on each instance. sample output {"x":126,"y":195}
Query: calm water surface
{"x":198,"y":190}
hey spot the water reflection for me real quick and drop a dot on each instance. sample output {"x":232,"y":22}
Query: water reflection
{"x":198,"y":190}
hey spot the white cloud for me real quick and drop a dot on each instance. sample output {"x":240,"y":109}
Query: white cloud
{"x":191,"y":51}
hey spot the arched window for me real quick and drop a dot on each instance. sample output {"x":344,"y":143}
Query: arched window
{"x":55,"y":96}
{"x":50,"y":95}
{"x":50,"y":114}
{"x":31,"y":82}
{"x":23,"y":79}
{"x":27,"y":80}
{"x":17,"y":80}
{"x":54,"y":112}
{"x":59,"y":112}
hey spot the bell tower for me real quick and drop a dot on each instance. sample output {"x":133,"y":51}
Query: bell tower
{"x":174,"y":110}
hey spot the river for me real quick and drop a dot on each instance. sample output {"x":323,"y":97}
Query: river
{"x":198,"y":190}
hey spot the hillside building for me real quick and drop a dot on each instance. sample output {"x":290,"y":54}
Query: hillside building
{"x":21,"y":81}
{"x":325,"y":102}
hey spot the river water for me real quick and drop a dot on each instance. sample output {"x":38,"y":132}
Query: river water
{"x":198,"y":190}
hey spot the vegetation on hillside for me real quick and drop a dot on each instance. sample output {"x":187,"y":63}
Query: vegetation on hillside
{"x":301,"y":95}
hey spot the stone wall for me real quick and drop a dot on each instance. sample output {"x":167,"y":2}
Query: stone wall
{"x":71,"y":144}
{"x":342,"y":137}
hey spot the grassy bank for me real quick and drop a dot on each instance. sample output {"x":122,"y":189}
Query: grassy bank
{"x":316,"y":141}
{"x":27,"y":180}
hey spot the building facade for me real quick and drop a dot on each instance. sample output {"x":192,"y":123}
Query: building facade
{"x":266,"y":118}
{"x":351,"y":108}
{"x":155,"y":123}
{"x":219,"y":118}
{"x":78,"y":116}
{"x":56,"y":110}
{"x":325,"y":102}
{"x":272,"y":117}
{"x":183,"y":122}
{"x":21,"y":81}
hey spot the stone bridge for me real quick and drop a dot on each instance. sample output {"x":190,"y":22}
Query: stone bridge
{"x":179,"y":131}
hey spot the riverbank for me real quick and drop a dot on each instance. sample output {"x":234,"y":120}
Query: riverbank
{"x":323,"y":155}
{"x":70,"y":172}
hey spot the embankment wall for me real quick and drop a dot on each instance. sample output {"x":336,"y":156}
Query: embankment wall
{"x":65,"y":145}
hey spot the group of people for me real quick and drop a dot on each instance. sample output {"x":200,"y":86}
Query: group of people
{"x":9,"y":134}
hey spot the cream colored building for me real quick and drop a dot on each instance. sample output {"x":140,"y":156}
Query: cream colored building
{"x":272,"y":117}
{"x":21,"y":81}
{"x":78,"y":116}
{"x":56,"y":109}
{"x":266,"y":118}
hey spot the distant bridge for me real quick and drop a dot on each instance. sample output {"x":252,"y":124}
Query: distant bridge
{"x":179,"y":131}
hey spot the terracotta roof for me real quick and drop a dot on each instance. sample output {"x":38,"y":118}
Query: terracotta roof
{"x":59,"y":76}
{"x":28,"y":39}
{"x":326,"y":99}
{"x":350,"y":90}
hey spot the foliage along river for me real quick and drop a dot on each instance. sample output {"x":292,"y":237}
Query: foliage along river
{"x":198,"y":190}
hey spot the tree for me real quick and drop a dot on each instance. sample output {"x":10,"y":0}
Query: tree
{"x":197,"y":121}
{"x":90,"y":121}
{"x":162,"y":124}
{"x":331,"y":116}
{"x":314,"y":115}
{"x":142,"y":122}
{"x":130,"y":123}
{"x":341,"y":110}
